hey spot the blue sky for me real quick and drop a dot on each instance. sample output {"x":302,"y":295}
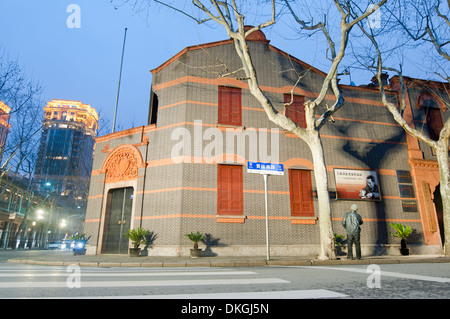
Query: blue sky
{"x":83,"y":64}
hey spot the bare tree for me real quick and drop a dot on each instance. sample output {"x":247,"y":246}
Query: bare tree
{"x":22,"y":96}
{"x":428,"y":15}
{"x":229,"y":15}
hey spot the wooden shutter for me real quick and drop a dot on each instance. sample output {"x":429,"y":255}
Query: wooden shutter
{"x":230,"y":193}
{"x":434,"y":122}
{"x":300,"y":188}
{"x":296,"y":110}
{"x":230,"y":106}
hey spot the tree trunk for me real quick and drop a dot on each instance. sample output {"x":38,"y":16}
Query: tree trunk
{"x":444,"y":172}
{"x":311,"y":137}
{"x":321,"y":177}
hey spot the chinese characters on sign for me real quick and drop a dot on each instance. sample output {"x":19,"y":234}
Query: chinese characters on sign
{"x":265,"y":168}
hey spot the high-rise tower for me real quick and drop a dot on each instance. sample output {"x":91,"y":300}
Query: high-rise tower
{"x":4,"y":126}
{"x":65,"y":156}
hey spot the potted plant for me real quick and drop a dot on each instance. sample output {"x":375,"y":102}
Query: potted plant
{"x":402,"y":232}
{"x":80,"y":242}
{"x":138,"y":236}
{"x":196,"y":237}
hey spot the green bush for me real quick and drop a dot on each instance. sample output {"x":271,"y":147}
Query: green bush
{"x":196,"y":237}
{"x":401,"y":231}
{"x":138,"y":236}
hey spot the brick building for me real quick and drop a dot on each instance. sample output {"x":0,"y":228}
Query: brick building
{"x":187,"y":169}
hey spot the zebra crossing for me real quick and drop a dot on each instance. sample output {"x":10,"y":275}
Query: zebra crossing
{"x":31,"y":281}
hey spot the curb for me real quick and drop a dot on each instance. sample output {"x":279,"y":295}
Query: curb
{"x":238,"y":263}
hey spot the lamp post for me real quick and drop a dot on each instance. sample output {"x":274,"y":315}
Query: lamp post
{"x":45,"y":231}
{"x":39,"y":216}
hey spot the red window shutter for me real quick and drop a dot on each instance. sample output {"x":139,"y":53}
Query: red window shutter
{"x":296,"y":110}
{"x":230,"y":106}
{"x":230,"y":193}
{"x":434,"y":122}
{"x":300,"y":188}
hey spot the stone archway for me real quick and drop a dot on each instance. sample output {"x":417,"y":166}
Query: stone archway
{"x":122,"y":164}
{"x":121,"y":169}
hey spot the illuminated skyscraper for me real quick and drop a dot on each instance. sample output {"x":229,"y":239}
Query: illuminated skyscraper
{"x":65,"y":154}
{"x":4,"y":126}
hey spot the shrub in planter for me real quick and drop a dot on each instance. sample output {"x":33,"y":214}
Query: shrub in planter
{"x":196,"y":237}
{"x":402,"y":232}
{"x":137,"y":236}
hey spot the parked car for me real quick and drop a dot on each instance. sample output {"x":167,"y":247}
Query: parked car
{"x":54,"y":245}
{"x":67,"y":244}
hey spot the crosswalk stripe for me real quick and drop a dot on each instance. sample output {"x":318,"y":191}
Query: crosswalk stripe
{"x":254,"y":295}
{"x":388,"y":274}
{"x":155,"y":283}
{"x":129,"y":274}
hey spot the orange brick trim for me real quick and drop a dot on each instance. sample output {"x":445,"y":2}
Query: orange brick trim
{"x":129,"y":132}
{"x":242,"y":85}
{"x":92,"y":220}
{"x":231,"y":220}
{"x":303,"y":221}
{"x":240,"y":218}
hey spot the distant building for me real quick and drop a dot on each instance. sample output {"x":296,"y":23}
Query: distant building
{"x":4,"y":126}
{"x":65,"y":157}
{"x":18,"y":202}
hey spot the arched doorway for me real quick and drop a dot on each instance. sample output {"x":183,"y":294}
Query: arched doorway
{"x":437,"y":200}
{"x":121,"y":174}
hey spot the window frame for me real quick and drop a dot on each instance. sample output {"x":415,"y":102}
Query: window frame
{"x":296,"y":110}
{"x":229,"y":113}
{"x":303,"y":191}
{"x":233,"y":188}
{"x":434,"y":122}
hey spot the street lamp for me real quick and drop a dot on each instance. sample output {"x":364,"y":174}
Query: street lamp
{"x":63,"y":223}
{"x":40,"y":214}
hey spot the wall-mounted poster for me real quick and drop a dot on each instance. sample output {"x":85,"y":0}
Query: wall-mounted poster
{"x":357,"y":184}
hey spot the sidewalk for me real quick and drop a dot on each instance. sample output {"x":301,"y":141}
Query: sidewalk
{"x":65,"y":258}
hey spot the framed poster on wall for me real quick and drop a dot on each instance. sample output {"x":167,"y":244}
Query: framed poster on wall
{"x":357,"y":184}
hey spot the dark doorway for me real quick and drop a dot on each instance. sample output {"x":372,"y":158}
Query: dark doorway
{"x":437,"y":199}
{"x":117,"y":221}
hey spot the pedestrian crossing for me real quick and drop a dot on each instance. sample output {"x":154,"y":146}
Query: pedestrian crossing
{"x":31,"y":281}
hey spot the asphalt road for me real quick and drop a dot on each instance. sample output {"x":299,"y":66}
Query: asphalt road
{"x":404,"y":281}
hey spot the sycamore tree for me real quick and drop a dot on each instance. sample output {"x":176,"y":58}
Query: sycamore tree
{"x":427,"y":25}
{"x":229,"y":15}
{"x":18,"y":155}
{"x":22,"y":95}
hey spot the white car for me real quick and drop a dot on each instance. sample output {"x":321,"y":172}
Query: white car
{"x":67,"y":244}
{"x":54,"y":245}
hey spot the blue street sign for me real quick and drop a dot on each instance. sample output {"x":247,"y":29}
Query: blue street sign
{"x":265,"y":168}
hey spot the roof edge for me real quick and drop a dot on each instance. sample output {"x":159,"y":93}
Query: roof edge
{"x":230,"y":41}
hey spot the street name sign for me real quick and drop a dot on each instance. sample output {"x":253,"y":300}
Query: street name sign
{"x":265,"y":168}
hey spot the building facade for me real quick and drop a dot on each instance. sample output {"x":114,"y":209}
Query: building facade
{"x":187,"y":169}
{"x":19,"y":224}
{"x":64,"y":159}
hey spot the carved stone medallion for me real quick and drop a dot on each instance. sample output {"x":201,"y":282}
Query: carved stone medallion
{"x":122,"y":164}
